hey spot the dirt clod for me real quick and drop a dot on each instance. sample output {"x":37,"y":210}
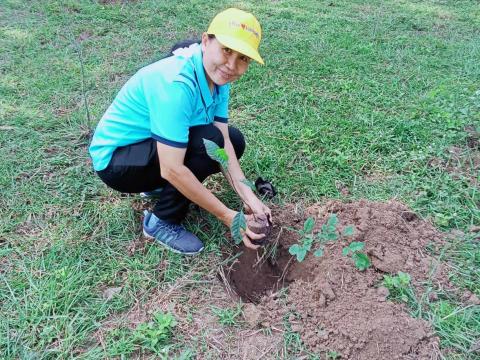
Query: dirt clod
{"x":109,"y":293}
{"x":251,"y":315}
{"x":260,"y":226}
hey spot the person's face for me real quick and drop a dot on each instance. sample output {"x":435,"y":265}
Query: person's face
{"x":222,"y":64}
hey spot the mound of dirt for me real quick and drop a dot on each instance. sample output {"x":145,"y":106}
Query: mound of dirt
{"x":329,"y":302}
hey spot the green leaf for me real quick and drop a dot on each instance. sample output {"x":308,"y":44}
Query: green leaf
{"x":294,"y":249}
{"x":318,"y":252}
{"x":362,"y":261}
{"x":308,"y":225}
{"x":211,"y":148}
{"x":307,"y":242}
{"x":348,"y":231}
{"x":388,"y":281}
{"x":298,"y":251}
{"x":356,"y":246}
{"x":404,"y":279}
{"x":345,"y":251}
{"x":301,"y":255}
{"x":332,"y":221}
{"x":216,"y":153}
{"x":331,"y":229}
{"x":239,"y":223}
{"x":249,"y":183}
{"x":331,"y":236}
{"x":221,"y":153}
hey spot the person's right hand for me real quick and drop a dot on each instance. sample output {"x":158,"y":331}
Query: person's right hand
{"x":249,"y":235}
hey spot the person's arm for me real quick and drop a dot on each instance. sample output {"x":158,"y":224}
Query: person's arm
{"x":173,"y":170}
{"x":237,"y":178}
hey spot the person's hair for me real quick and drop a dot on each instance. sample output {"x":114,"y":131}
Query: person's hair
{"x":183,"y":44}
{"x":187,"y":43}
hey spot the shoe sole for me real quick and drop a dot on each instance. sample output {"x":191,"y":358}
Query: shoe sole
{"x":148,"y":196}
{"x":170,"y":248}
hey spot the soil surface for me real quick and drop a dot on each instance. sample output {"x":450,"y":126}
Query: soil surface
{"x":331,"y":304}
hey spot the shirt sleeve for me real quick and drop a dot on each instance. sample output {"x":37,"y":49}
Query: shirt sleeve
{"x":221,"y":109}
{"x":170,"y":109}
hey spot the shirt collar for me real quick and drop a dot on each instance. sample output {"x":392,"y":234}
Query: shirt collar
{"x":201,"y":77}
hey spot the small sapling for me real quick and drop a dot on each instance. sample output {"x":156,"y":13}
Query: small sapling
{"x":362,"y":261}
{"x":218,"y":154}
{"x":301,"y":249}
{"x":328,"y":232}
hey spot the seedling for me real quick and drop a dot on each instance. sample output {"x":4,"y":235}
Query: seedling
{"x":398,"y":287}
{"x":218,"y":154}
{"x":155,"y":334}
{"x":333,"y":355}
{"x":362,"y":261}
{"x":306,"y":240}
{"x":327,"y":233}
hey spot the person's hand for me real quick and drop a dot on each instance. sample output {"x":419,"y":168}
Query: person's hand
{"x":247,"y":235}
{"x":259,"y":209}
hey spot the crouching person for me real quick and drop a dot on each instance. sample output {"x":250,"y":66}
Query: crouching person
{"x":150,"y":139}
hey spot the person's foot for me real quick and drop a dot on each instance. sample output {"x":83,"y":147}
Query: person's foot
{"x":154,"y":194}
{"x":172,"y":236}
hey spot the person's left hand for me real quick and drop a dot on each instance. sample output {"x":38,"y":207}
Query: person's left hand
{"x":259,"y":209}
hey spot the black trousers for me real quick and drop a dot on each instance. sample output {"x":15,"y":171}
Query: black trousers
{"x":135,"y":168}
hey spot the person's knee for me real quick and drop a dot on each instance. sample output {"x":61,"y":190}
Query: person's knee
{"x":215,"y":135}
{"x":238,"y":141}
{"x":209,"y":132}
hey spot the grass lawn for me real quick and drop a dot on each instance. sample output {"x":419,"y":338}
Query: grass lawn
{"x":370,"y":96}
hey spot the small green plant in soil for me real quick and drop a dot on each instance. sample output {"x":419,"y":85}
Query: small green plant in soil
{"x":155,"y":335}
{"x":399,"y":287}
{"x":328,"y":232}
{"x":333,"y":355}
{"x":228,"y":317}
{"x":362,"y":261}
{"x":218,"y":154}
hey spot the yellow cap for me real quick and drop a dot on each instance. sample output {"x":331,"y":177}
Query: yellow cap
{"x":238,"y":30}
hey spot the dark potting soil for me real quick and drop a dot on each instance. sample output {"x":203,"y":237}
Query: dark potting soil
{"x":332,"y":305}
{"x":261,"y":227}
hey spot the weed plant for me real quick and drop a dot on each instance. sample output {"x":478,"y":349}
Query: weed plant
{"x":399,"y":287}
{"x":229,"y":316}
{"x":354,"y":249}
{"x":156,"y":334}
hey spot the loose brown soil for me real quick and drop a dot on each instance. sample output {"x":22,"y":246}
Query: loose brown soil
{"x":332,"y":305}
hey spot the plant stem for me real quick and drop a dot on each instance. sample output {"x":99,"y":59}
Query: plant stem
{"x":227,"y":174}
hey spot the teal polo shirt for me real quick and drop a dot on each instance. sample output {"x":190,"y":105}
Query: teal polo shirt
{"x":161,"y":101}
